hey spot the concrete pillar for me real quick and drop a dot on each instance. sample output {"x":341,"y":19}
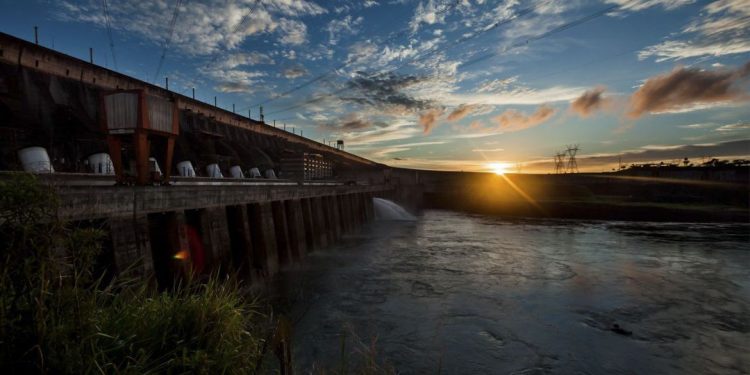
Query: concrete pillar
{"x":238,"y":223}
{"x":264,"y":238}
{"x":369,"y":209}
{"x":131,"y":246}
{"x":213,"y":222}
{"x":296,"y":228}
{"x":283,"y":247}
{"x":343,"y":213}
{"x":321,"y":226}
{"x":313,"y":241}
{"x":335,"y":216}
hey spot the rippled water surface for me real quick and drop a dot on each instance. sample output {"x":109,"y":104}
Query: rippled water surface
{"x":466,"y":294}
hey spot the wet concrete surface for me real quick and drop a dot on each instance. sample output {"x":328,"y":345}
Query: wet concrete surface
{"x":465,"y":294}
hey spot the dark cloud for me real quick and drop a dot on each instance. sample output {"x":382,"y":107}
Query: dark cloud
{"x":512,"y":120}
{"x":385,"y":92}
{"x":461,"y":111}
{"x":351,"y":122}
{"x":591,"y":100}
{"x":429,"y":118}
{"x":688,"y":86}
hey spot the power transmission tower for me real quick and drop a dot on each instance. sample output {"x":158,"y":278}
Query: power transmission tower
{"x":559,"y":162}
{"x":572,"y":163}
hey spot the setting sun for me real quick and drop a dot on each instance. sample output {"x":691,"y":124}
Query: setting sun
{"x":498,"y":168}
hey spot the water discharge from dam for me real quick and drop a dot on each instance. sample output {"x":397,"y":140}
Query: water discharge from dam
{"x":468,"y":294}
{"x":388,"y":210}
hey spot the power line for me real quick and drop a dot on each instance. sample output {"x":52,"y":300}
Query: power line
{"x":319,"y":77}
{"x":105,"y":8}
{"x":172,"y":24}
{"x":556,"y":30}
{"x":497,"y":24}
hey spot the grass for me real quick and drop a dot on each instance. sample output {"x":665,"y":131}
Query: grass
{"x":59,"y":315}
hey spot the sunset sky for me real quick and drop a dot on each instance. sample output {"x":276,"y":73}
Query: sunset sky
{"x":441,"y":84}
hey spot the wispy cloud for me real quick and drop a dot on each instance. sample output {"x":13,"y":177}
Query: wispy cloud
{"x":722,"y":28}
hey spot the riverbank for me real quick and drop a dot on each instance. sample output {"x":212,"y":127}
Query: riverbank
{"x":595,"y":209}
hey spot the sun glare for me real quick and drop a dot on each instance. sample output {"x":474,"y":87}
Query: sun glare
{"x":498,"y":168}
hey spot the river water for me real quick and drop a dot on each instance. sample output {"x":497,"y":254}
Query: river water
{"x":455,"y":293}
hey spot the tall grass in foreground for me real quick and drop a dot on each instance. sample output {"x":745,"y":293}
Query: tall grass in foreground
{"x":56,"y":316}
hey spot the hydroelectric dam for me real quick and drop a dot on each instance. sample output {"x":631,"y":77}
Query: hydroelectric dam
{"x":177,"y":183}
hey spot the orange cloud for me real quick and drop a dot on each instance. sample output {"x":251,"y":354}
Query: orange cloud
{"x":590,"y":101}
{"x":512,"y":120}
{"x":461,"y":111}
{"x":429,"y":118}
{"x":684,"y":87}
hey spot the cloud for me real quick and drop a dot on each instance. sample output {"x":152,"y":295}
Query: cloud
{"x":686,"y":87}
{"x":676,"y":50}
{"x":518,"y":96}
{"x":462,"y":111}
{"x":429,"y":118}
{"x":721,"y":28}
{"x":590,"y":101}
{"x":235,"y":60}
{"x":386,"y":92}
{"x":347,"y":25}
{"x":235,"y":87}
{"x":203,"y":28}
{"x":512,"y":120}
{"x":733,"y":127}
{"x":488,"y":149}
{"x":295,"y":72}
{"x":235,"y":80}
{"x":351,"y":122}
{"x":637,"y":5}
{"x":429,"y":13}
{"x":295,"y":32}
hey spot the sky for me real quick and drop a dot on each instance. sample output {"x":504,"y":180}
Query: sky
{"x":440,"y":84}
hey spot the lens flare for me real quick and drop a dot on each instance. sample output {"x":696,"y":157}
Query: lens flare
{"x":181,"y":255}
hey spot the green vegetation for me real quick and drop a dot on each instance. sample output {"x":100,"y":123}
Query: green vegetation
{"x":57,"y":315}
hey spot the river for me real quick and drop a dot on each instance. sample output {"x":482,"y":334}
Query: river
{"x":455,"y":293}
